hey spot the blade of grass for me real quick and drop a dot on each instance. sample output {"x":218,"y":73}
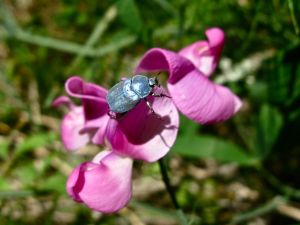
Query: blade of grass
{"x":294,"y":19}
{"x":264,"y":209}
{"x":115,"y":46}
{"x":13,"y":31}
{"x":151,"y":210}
{"x":49,"y":42}
{"x":8,"y":20}
{"x":96,"y":35}
{"x":167,"y":6}
{"x":71,"y":47}
{"x":15,"y":194}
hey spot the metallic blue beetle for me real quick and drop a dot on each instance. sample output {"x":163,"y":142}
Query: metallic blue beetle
{"x":126,"y":94}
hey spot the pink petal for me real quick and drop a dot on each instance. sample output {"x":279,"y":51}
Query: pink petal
{"x":93,"y":97}
{"x":203,"y":101}
{"x":101,"y":124}
{"x":193,"y":93}
{"x":158,"y":59}
{"x":205,"y":54}
{"x":141,"y":134}
{"x":97,"y":129}
{"x":71,"y":127}
{"x":103,"y":184}
{"x":63,"y":100}
{"x":95,"y":107}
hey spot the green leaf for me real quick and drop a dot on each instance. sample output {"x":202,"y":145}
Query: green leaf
{"x":130,"y":15}
{"x":284,"y":78}
{"x":268,"y":127}
{"x":56,"y":182}
{"x":187,"y":126}
{"x":34,"y":141}
{"x":4,"y":184}
{"x":4,"y":145}
{"x":212,"y":147}
{"x":26,"y":173}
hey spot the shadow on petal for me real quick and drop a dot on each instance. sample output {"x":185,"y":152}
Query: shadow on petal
{"x":140,"y":125}
{"x":141,"y":134}
{"x":157,"y":59}
{"x":93,"y":97}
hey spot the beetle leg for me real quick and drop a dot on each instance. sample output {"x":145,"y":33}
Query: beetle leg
{"x":160,"y":95}
{"x":149,"y":106}
{"x":151,"y":109}
{"x":111,"y":115}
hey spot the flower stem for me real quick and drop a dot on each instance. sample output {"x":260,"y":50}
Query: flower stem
{"x":270,"y":206}
{"x":170,"y":190}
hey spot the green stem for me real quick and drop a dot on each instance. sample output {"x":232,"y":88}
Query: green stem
{"x":170,"y":190}
{"x":70,"y":46}
{"x":294,"y":20}
{"x":284,"y":189}
{"x":264,"y":209}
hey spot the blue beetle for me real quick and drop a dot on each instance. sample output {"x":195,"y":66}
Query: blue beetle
{"x":126,"y":94}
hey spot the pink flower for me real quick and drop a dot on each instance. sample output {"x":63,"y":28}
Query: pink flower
{"x":139,"y":134}
{"x":85,"y":123}
{"x":192,"y":92}
{"x":104,"y":184}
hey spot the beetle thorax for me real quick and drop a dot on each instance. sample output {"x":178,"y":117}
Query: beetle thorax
{"x":128,"y":92}
{"x":140,"y":85}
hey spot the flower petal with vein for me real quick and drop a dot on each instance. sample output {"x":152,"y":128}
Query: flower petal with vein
{"x":193,"y":93}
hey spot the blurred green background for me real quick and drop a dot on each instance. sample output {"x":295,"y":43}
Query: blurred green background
{"x":243,"y":171}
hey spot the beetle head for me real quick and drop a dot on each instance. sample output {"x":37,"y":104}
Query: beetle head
{"x":153,"y":81}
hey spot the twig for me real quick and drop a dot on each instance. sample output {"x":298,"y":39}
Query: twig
{"x":289,"y":211}
{"x":33,"y":96}
{"x":61,"y":166}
